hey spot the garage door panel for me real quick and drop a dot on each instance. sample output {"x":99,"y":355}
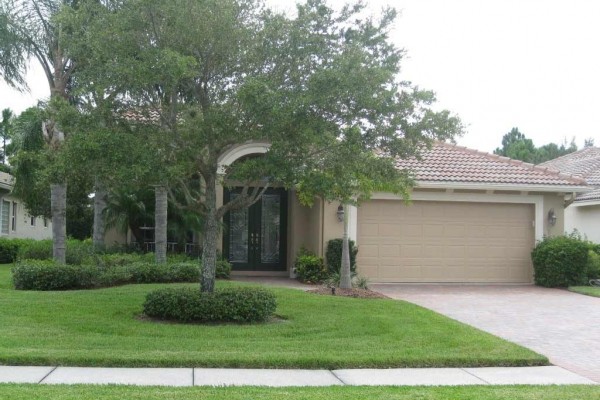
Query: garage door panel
{"x":445,"y":241}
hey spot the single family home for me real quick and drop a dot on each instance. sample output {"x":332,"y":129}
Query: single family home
{"x":15,"y":221}
{"x":583,"y":210}
{"x":473,"y":217}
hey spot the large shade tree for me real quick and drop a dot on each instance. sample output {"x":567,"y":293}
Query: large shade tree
{"x":28,"y":31}
{"x":315,"y":86}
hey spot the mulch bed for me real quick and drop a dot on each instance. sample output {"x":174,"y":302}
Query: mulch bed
{"x":354,"y":292}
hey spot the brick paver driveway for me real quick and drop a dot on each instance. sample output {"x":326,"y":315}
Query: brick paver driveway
{"x":563,"y":326}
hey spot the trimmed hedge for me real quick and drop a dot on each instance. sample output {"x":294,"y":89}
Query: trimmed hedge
{"x":9,"y":248}
{"x":560,"y":261}
{"x":78,"y":252}
{"x":333,"y":255}
{"x":48,"y":275}
{"x":310,"y":268}
{"x":240,"y":305}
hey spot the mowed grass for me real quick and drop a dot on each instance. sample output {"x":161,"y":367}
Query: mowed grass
{"x":102,"y":328}
{"x":80,"y":392}
{"x":587,"y":290}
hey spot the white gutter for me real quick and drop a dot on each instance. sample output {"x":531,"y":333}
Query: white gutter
{"x":501,"y":186}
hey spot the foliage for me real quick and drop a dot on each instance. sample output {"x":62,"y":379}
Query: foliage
{"x":333,"y":280}
{"x":593,"y":265}
{"x":516,"y":146}
{"x":223,"y":270}
{"x":240,"y":305}
{"x":333,"y":255}
{"x":48,"y":275}
{"x":9,"y":249}
{"x":320,"y":86}
{"x":78,"y":252}
{"x":309,"y":268}
{"x":560,"y":261}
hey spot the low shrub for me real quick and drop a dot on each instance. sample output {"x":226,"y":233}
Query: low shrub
{"x":310,"y":268}
{"x":77,"y":252}
{"x":333,"y":255}
{"x":9,"y":248}
{"x":593,"y":265}
{"x":240,"y":305}
{"x":223,"y":270}
{"x":48,"y":275}
{"x":35,"y":250}
{"x":333,"y":280}
{"x":560,"y":261}
{"x":146,"y":272}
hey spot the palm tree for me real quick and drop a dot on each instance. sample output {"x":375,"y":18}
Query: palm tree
{"x":28,"y":31}
{"x":127,"y":210}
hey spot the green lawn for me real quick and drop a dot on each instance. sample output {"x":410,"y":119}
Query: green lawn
{"x":587,"y":290}
{"x":100,"y":328}
{"x":80,"y":392}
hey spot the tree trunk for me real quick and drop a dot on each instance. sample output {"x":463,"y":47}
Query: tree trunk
{"x":345,"y":274}
{"x":59,"y":221}
{"x":99,"y":223}
{"x":209,"y":242}
{"x":160,"y":224}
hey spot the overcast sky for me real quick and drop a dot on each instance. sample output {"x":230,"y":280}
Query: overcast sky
{"x":498,"y":64}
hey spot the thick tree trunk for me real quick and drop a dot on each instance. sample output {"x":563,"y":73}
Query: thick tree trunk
{"x":209,"y":242}
{"x":58,"y":201}
{"x":160,"y":224}
{"x":345,"y":274}
{"x":99,"y":223}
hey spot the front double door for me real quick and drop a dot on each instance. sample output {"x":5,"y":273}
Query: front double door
{"x":254,"y":238}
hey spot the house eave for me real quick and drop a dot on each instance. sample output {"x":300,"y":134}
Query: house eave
{"x":586,"y":203}
{"x":501,"y":186}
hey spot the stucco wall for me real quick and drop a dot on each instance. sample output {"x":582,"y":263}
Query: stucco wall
{"x":585,"y":219}
{"x":556,"y":202}
{"x":24,"y":229}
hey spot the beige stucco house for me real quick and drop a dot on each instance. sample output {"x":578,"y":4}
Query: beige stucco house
{"x":15,"y":222}
{"x":474,"y":217}
{"x":583,"y":210}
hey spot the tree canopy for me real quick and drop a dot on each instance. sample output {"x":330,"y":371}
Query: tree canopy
{"x":322,"y":88}
{"x":515,"y":145}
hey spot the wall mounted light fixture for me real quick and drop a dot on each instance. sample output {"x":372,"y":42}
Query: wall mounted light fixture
{"x":340,"y":213}
{"x":552,"y":217}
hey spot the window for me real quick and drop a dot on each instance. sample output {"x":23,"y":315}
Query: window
{"x":32,"y":221}
{"x":14,"y":216}
{"x":4,"y":216}
{"x":45,"y":222}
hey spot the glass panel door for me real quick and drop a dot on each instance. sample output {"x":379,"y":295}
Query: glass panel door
{"x":255,"y":238}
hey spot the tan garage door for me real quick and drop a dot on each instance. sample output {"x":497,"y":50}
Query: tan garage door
{"x":445,"y":241}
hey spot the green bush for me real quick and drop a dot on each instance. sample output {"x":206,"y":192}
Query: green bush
{"x":560,"y":261}
{"x":77,"y":252}
{"x":333,"y":255}
{"x":593,"y":265}
{"x":35,"y":250}
{"x":310,"y":268}
{"x":241,"y":305}
{"x":9,"y":248}
{"x":223,"y":270}
{"x":48,"y":275}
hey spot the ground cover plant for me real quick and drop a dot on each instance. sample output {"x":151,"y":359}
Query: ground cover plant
{"x":103,"y":328}
{"x":82,"y":392}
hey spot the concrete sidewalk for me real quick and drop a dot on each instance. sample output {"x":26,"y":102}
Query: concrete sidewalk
{"x":292,"y":377}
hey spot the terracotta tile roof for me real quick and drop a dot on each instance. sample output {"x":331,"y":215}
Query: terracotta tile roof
{"x":446,"y":162}
{"x":584,"y":163}
{"x":594,"y":195}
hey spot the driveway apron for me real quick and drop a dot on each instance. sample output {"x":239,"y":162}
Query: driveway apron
{"x":561,"y":325}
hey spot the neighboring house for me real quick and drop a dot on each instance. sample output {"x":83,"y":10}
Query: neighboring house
{"x":15,"y":222}
{"x":473,"y":217}
{"x":583,"y":212}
